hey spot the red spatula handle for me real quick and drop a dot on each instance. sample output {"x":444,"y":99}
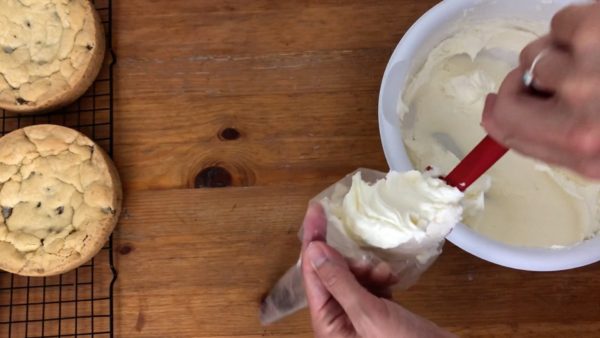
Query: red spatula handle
{"x":477,"y":162}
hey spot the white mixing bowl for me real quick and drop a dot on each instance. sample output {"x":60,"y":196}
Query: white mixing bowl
{"x":426,"y":33}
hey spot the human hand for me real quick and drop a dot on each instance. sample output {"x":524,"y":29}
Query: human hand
{"x":563,"y":126}
{"x":339,"y":305}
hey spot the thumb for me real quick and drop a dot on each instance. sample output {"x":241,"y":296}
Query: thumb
{"x":315,"y":225}
{"x":488,"y":109}
{"x":336,"y":277}
{"x":488,"y":118}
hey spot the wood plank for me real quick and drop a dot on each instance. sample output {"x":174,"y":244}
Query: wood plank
{"x":180,"y":27}
{"x":279,"y":143}
{"x":198,"y":119}
{"x":242,"y":69}
{"x":299,"y":81}
{"x":289,"y":73}
{"x":573,"y":329}
{"x":262,"y":163}
{"x":200,"y":260}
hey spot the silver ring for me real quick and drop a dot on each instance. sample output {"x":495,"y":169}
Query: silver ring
{"x":528,"y":77}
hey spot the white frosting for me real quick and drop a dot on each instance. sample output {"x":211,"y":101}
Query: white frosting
{"x":470,"y":88}
{"x":524,"y":205}
{"x":402,"y":207}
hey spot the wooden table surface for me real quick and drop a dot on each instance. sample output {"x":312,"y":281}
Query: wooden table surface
{"x":297,"y":84}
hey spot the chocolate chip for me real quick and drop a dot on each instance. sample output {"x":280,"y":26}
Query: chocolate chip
{"x":108,"y":211}
{"x":89,"y":47}
{"x":31,"y":174}
{"x":60,"y":210}
{"x":21,"y":100}
{"x":8,"y":50}
{"x":28,"y":24}
{"x":7,"y":212}
{"x":92,"y":149}
{"x":39,"y":205}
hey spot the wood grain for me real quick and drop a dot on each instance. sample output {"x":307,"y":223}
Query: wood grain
{"x":197,"y":268}
{"x":299,"y":81}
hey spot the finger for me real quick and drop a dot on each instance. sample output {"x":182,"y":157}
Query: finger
{"x":380,"y":292}
{"x":517,"y":117}
{"x":589,"y":168}
{"x":532,"y":50}
{"x":380,"y":280}
{"x":381,"y":274}
{"x":531,"y":125}
{"x":336,"y":277}
{"x":543,"y":152}
{"x":377,"y":279}
{"x":566,"y":22}
{"x":552,"y":66}
{"x":585,"y":147}
{"x":579,"y":93}
{"x":314,"y":225}
{"x":361,"y":269}
{"x":324,"y":309}
{"x":489,"y":117}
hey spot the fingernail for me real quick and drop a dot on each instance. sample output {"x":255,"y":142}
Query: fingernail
{"x":316,"y":255}
{"x":315,"y":207}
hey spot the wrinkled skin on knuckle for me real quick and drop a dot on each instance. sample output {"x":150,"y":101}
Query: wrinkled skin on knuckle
{"x":585,"y":36}
{"x":579,"y":94}
{"x":337,"y":329}
{"x":584,"y":141}
{"x":563,"y":16}
{"x":377,"y":322}
{"x":331,"y":332}
{"x":330,"y":278}
{"x":557,"y":19}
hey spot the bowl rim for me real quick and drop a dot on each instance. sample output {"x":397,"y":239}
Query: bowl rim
{"x":521,"y":258}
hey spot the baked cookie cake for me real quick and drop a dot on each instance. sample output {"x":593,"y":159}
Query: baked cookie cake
{"x":60,"y":197}
{"x":51,"y":51}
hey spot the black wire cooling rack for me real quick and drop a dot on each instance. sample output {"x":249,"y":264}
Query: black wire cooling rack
{"x":78,"y":303}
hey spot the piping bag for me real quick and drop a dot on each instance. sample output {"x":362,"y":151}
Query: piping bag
{"x":406,"y":261}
